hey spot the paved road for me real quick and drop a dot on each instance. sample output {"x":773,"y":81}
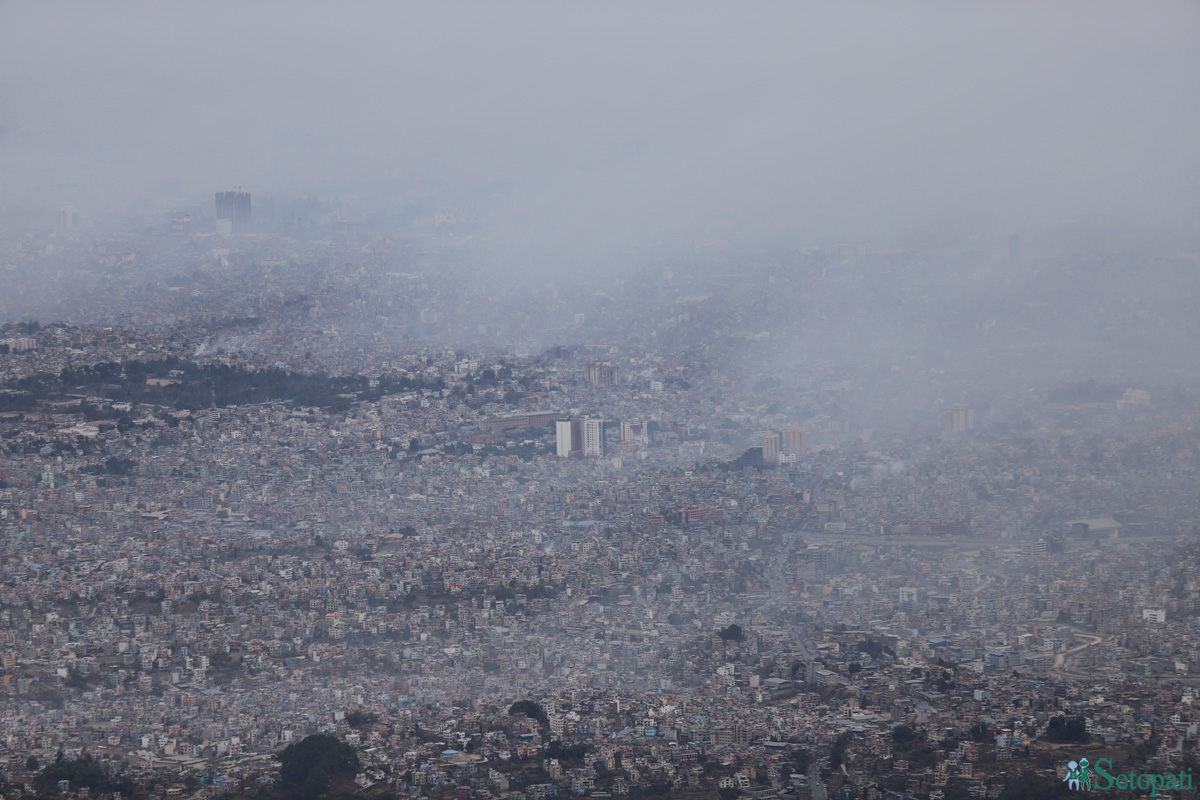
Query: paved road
{"x":988,"y":581}
{"x":816,"y":784}
{"x":1062,"y":657}
{"x":782,"y":600}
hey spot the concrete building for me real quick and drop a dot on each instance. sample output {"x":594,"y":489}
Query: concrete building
{"x":568,"y":437}
{"x":958,"y":419}
{"x":634,"y":431}
{"x":793,"y":440}
{"x":234,"y":207}
{"x":602,"y":373}
{"x":579,"y":437}
{"x":181,"y":223}
{"x":771,"y":447}
{"x":68,"y":218}
{"x":593,"y":437}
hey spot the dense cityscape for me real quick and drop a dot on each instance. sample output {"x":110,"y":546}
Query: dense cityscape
{"x":236,"y":515}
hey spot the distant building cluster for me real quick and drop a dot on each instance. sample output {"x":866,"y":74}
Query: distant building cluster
{"x":958,"y":419}
{"x":233,"y":212}
{"x":68,"y":218}
{"x":785,"y":448}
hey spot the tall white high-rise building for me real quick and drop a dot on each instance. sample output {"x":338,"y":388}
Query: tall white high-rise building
{"x":793,"y":440}
{"x":957,"y":420}
{"x":235,"y":207}
{"x":593,"y":437}
{"x":564,"y":437}
{"x":634,"y":431}
{"x":770,"y":447}
{"x":573,"y":437}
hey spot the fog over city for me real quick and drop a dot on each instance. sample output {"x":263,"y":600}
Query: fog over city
{"x":507,"y":401}
{"x":627,"y":123}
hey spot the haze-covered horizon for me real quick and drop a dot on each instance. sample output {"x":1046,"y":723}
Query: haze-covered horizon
{"x":534,"y":163}
{"x":563,"y":123}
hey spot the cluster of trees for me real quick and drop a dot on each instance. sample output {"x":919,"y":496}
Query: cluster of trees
{"x":23,"y":328}
{"x":1035,"y":787}
{"x":357,"y":718}
{"x":753,"y":457}
{"x":679,"y":620}
{"x":79,"y":773}
{"x":874,"y":649}
{"x":317,"y":766}
{"x":18,"y":401}
{"x":533,"y":591}
{"x":1067,"y":729}
{"x":837,"y":753}
{"x":115,"y":465}
{"x":531,"y":710}
{"x":567,"y":754}
{"x":309,"y":767}
{"x":200,"y":385}
{"x":733,"y":633}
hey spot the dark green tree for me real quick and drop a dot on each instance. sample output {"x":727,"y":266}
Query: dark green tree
{"x":531,"y":710}
{"x":313,"y":763}
{"x":733,"y":633}
{"x":79,"y":772}
{"x":837,"y":753}
{"x":871,"y":647}
{"x":1034,"y":787}
{"x":1067,"y":729}
{"x":358,"y":718}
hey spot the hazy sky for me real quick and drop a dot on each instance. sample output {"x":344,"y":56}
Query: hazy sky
{"x":644,"y":120}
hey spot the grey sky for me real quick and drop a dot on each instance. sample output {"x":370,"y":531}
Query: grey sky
{"x":647,"y":120}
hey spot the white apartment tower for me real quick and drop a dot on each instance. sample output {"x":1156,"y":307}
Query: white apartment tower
{"x":770,"y":447}
{"x":579,"y":437}
{"x":593,"y":437}
{"x":565,"y":437}
{"x":793,"y":440}
{"x":957,"y":420}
